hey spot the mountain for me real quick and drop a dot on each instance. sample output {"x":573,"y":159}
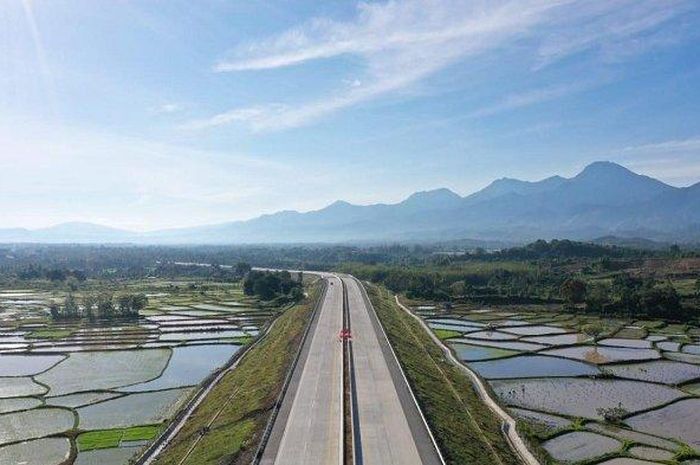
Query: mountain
{"x":505,"y":186}
{"x":603,"y":200}
{"x":72,"y":232}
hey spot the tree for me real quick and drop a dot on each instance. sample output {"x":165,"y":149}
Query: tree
{"x":105,"y":306}
{"x":593,"y":329}
{"x":573,"y":291}
{"x":596,"y":298}
{"x":241,"y":269}
{"x":457,"y":289}
{"x":90,"y":306}
{"x":661,"y":302}
{"x":697,"y":287}
{"x":70,"y":307}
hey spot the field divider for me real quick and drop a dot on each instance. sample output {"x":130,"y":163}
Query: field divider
{"x":287,"y":380}
{"x":508,"y":424}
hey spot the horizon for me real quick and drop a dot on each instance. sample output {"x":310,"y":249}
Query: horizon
{"x":154,"y":117}
{"x":379,"y":202}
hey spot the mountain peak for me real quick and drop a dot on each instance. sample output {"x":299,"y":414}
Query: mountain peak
{"x":605,"y":168}
{"x":432,"y":199}
{"x":441,"y":193}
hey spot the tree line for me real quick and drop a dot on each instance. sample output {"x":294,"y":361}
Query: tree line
{"x":278,"y":286}
{"x":103,"y":305}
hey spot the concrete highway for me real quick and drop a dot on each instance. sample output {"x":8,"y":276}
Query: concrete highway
{"x":391,"y":428}
{"x":308,"y":429}
{"x":388,"y":427}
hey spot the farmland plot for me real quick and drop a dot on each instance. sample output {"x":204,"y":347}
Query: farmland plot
{"x":88,"y":377}
{"x":584,"y":396}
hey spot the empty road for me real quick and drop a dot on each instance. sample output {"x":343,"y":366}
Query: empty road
{"x":388,"y":427}
{"x":391,"y":429}
{"x":308,"y":429}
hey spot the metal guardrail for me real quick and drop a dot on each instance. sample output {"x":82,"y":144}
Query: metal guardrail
{"x":278,"y":403}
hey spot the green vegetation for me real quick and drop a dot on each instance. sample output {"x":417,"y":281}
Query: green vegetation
{"x":49,"y":334}
{"x":274,"y":285}
{"x":465,"y":429}
{"x":105,"y":439}
{"x":242,"y":340}
{"x":99,"y":306}
{"x":230,"y":421}
{"x":446,"y":333}
{"x":583,"y":277}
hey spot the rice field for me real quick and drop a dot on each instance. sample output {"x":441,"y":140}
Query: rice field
{"x":626,"y":394}
{"x":77,"y":392}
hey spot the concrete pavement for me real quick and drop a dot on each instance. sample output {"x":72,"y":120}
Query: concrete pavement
{"x":391,"y":427}
{"x":309,"y":428}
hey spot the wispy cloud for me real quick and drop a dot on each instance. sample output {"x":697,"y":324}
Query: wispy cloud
{"x":616,"y":29}
{"x":402,"y":42}
{"x":166,"y":108}
{"x":533,"y":97}
{"x":676,"y":161}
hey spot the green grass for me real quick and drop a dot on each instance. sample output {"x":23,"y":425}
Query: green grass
{"x":243,"y":340}
{"x":49,"y":334}
{"x":246,"y":394}
{"x":464,"y":428}
{"x":140,"y":433}
{"x":446,"y":333}
{"x":108,"y":438}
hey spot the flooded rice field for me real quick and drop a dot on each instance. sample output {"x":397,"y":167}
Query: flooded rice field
{"x":628,"y":393}
{"x":62,"y":381}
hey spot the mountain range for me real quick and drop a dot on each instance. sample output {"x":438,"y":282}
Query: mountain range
{"x":605,"y":199}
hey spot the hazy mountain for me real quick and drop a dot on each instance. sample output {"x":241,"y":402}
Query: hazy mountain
{"x":605,"y":199}
{"x":72,"y":232}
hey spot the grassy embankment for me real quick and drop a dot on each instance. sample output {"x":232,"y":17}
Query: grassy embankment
{"x":241,"y":402}
{"x":464,"y":428}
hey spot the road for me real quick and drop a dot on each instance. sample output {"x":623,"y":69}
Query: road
{"x":391,"y":428}
{"x":388,"y":427}
{"x":308,"y":429}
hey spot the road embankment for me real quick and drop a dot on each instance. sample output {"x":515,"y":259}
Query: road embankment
{"x":464,"y":427}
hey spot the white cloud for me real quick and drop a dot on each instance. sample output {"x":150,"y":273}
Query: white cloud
{"x":532,"y":97}
{"x":690,"y":146}
{"x":616,"y":29}
{"x":402,"y":42}
{"x":675,"y":161}
{"x":166,"y":108}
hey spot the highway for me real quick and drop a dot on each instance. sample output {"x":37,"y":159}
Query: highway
{"x":308,"y":429}
{"x":388,"y":428}
{"x":391,"y":428}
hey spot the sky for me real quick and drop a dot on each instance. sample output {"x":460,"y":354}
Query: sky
{"x":155,"y":114}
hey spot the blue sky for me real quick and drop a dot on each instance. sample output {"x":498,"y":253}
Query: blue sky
{"x":152,"y":114}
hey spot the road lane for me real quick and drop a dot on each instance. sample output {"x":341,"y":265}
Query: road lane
{"x":391,"y":428}
{"x":311,"y":432}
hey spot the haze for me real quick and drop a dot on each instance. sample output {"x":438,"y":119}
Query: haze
{"x":145,"y":115}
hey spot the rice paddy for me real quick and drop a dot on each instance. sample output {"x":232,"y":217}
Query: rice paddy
{"x":106,"y":388}
{"x":628,"y":394}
